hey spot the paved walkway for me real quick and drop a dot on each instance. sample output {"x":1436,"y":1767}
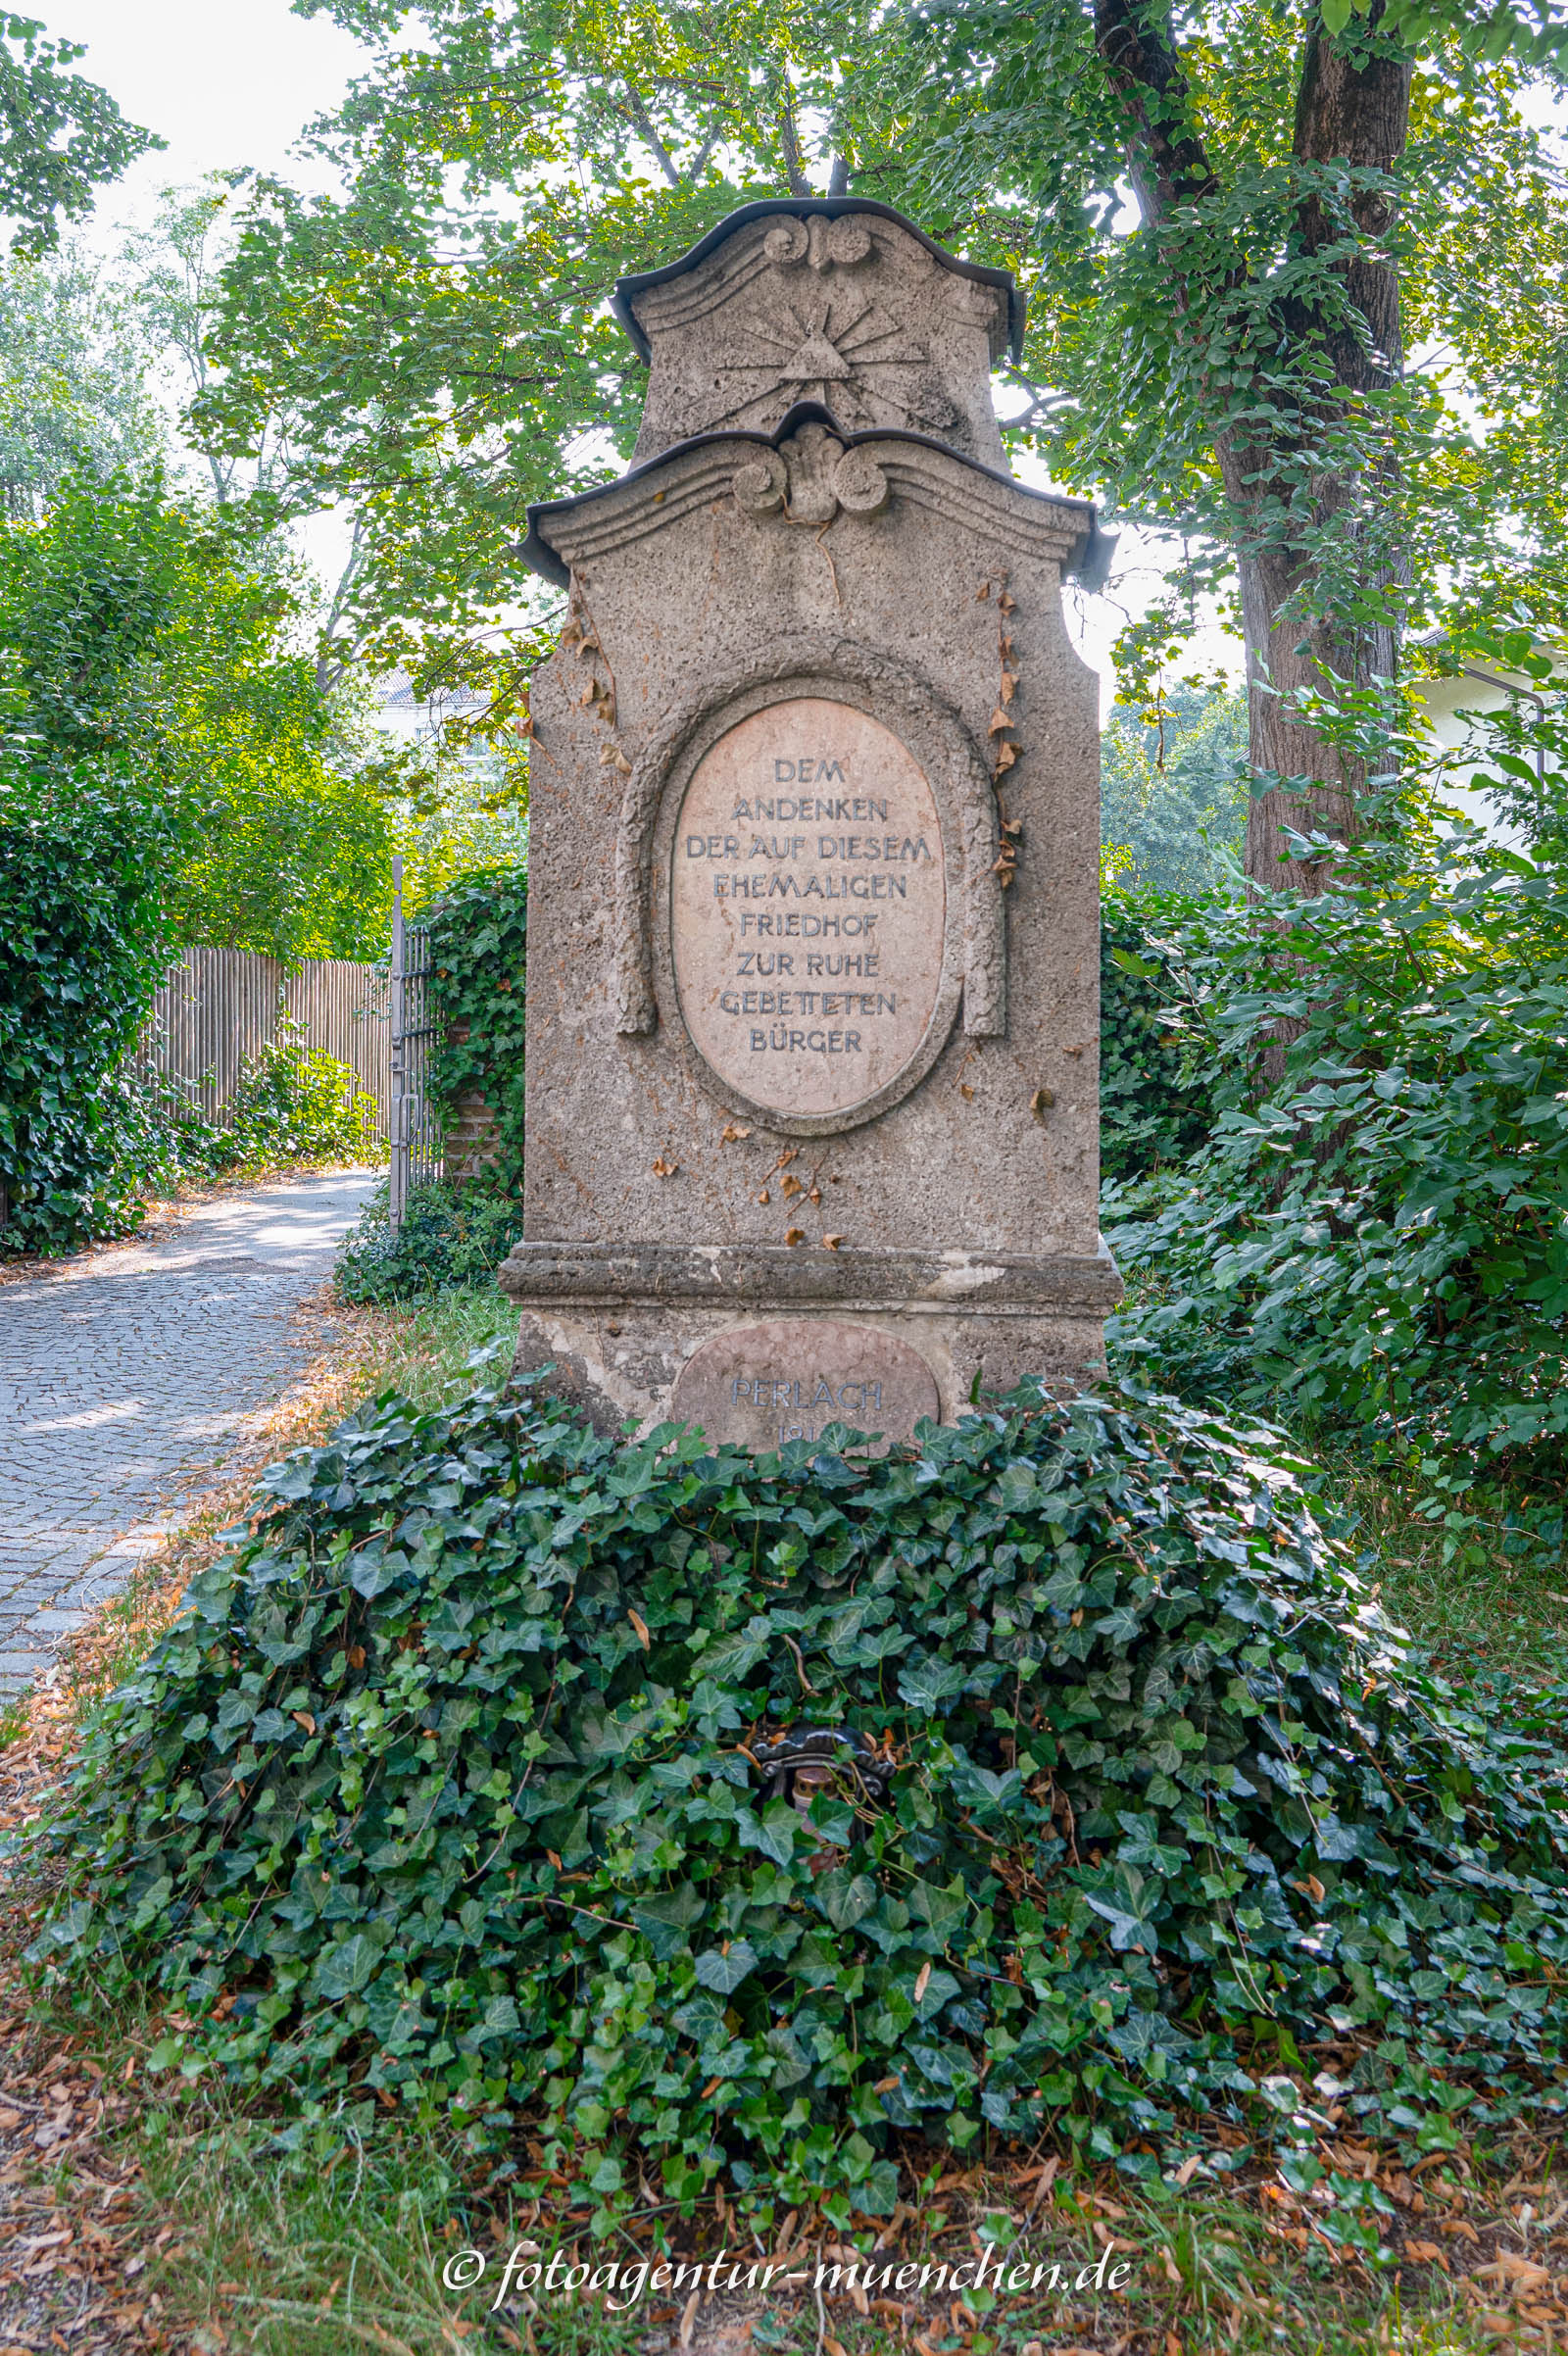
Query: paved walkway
{"x":125,"y":1375}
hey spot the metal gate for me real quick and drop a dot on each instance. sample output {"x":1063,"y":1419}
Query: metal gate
{"x":414,"y":1132}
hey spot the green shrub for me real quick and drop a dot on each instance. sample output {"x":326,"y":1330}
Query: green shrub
{"x":294,"y":1103}
{"x":1173,"y":786}
{"x":444,"y":1785}
{"x":82,"y":950}
{"x":453,"y":1239}
{"x":1374,"y":1236}
{"x":1156,"y":1108}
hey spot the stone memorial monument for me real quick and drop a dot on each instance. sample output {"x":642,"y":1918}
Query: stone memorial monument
{"x":812,"y":1024}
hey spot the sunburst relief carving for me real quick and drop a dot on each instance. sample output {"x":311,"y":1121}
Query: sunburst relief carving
{"x":842,"y":350}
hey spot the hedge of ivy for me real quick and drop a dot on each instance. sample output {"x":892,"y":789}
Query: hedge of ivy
{"x":1154,"y":1105}
{"x":443,"y":1788}
{"x":479,"y":953}
{"x":455,"y":1234}
{"x":82,"y":950}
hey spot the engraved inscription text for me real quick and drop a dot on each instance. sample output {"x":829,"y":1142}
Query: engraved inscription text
{"x":808,"y":901}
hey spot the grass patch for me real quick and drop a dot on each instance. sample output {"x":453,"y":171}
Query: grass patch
{"x":432,"y":1355}
{"x":1472,"y":1575}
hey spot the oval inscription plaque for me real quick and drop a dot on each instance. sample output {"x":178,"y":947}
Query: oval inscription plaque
{"x":789,"y":1377}
{"x":808,"y":907}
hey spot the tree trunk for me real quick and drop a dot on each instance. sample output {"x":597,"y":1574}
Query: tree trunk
{"x":1352,"y":108}
{"x":1357,"y":114}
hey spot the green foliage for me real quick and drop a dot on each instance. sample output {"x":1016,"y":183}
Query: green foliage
{"x":294,"y":1103}
{"x":441,"y":1786}
{"x":455,"y":1235}
{"x":479,"y":958}
{"x":1374,"y":1236}
{"x":452,"y":1239}
{"x":1156,"y":1108}
{"x":165,"y":639}
{"x":1170,"y":796}
{"x":74,"y":392}
{"x":60,"y":136}
{"x":82,"y":950}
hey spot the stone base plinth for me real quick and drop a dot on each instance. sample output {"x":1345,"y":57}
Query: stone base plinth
{"x":761,"y":1343}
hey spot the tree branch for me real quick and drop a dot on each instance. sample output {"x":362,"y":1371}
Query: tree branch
{"x":641,"y":121}
{"x":1165,"y":157}
{"x":789,"y":139}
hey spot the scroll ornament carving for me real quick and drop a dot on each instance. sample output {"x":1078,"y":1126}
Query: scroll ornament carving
{"x":824,"y":244}
{"x":810,"y":478}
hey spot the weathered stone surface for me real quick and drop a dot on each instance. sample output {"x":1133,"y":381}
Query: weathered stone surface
{"x":789,"y":1378}
{"x":876,"y":604}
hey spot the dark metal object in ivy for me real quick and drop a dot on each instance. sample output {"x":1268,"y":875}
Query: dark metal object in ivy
{"x":803,"y":1760}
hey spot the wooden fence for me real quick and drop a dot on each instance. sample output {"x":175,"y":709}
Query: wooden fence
{"x":220,"y":1005}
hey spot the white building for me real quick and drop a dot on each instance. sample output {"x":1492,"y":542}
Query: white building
{"x":1455,"y":712}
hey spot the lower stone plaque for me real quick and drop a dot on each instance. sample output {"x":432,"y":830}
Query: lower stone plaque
{"x":790,"y":1376}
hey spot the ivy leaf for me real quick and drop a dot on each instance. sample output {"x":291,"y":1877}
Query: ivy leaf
{"x":844,"y":1898}
{"x":665,"y":1920}
{"x":775,"y":1834}
{"x":723,"y":1970}
{"x":346,"y":1969}
{"x":925,"y":1684}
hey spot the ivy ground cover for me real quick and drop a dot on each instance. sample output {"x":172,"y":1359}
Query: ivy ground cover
{"x":441,"y":1793}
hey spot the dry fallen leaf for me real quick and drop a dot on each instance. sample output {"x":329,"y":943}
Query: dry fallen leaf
{"x":924,"y":1981}
{"x":764,"y":1196}
{"x":794,"y":1235}
{"x":1041,"y":1102}
{"x":1172,"y":2270}
{"x":663,"y":1168}
{"x":966,"y":1092}
{"x":1007,"y":754}
{"x":999,"y":722}
{"x":1189,"y":2168}
{"x":732,"y":1134}
{"x":831,"y":1243}
{"x":641,"y":1626}
{"x":688,"y":2321}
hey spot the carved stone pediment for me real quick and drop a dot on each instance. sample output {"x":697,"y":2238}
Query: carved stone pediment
{"x":839,"y":304}
{"x":810,"y":475}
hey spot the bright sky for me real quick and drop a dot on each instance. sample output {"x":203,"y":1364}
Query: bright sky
{"x":224,"y":81}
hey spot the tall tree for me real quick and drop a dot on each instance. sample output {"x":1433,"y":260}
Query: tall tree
{"x":1313,"y":194}
{"x":74,"y":392}
{"x":60,"y":136}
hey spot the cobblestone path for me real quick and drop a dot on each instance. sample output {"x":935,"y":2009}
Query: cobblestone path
{"x":125,"y":1376}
